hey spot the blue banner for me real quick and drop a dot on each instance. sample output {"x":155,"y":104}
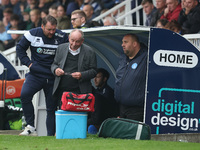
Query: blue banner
{"x":173,"y":84}
{"x":12,"y":73}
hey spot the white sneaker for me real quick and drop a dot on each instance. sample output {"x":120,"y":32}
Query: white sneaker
{"x":29,"y":130}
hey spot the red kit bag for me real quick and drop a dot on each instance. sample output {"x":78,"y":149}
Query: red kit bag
{"x":77,"y":102}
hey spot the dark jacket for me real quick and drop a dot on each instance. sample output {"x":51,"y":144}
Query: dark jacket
{"x":149,"y":17}
{"x":131,"y":79}
{"x":190,"y":23}
{"x":83,"y":26}
{"x":86,"y":65}
{"x":173,"y":15}
{"x":155,"y":17}
{"x":105,"y":106}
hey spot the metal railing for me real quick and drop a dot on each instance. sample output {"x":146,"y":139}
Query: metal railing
{"x":12,"y":57}
{"x":194,"y":39}
{"x":126,"y":18}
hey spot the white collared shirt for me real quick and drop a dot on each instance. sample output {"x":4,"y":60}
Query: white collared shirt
{"x":74,"y":52}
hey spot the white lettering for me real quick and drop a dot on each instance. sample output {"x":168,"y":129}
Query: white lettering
{"x":175,"y":58}
{"x":183,"y":123}
{"x":84,"y":106}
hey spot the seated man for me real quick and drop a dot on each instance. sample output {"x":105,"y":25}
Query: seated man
{"x":160,"y":5}
{"x":95,"y":4}
{"x":109,"y":21}
{"x":172,"y":11}
{"x":189,"y":17}
{"x":78,"y":19}
{"x":89,"y":12}
{"x":105,"y":104}
{"x":149,"y":10}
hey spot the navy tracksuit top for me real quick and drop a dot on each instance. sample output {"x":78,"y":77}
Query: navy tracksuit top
{"x":131,"y":79}
{"x":42,"y":49}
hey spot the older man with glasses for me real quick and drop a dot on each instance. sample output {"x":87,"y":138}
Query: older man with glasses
{"x":78,"y":19}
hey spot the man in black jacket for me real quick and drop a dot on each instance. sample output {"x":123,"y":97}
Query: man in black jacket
{"x":189,"y":17}
{"x":78,"y":19}
{"x":105,"y":104}
{"x":160,"y":5}
{"x":131,"y":78}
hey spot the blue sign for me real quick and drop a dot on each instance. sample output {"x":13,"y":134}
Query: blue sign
{"x":12,"y":73}
{"x":173,"y":84}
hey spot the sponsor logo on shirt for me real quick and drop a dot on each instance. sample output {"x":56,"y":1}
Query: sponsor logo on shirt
{"x":49,"y":51}
{"x":39,"y":50}
{"x":59,"y":35}
{"x":46,"y":51}
{"x":37,"y":40}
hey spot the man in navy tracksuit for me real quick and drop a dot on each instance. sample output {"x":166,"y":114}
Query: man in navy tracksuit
{"x":131,"y":78}
{"x":43,"y":42}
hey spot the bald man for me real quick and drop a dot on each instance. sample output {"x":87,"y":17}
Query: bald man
{"x":88,"y":10}
{"x":74,"y":66}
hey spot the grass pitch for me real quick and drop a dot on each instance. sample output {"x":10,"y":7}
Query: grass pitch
{"x":92,"y":142}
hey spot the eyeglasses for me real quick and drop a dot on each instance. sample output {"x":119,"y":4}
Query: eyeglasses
{"x":73,"y":19}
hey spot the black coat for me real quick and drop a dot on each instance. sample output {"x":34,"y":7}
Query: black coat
{"x":105,"y":106}
{"x":190,"y":23}
{"x":155,"y":17}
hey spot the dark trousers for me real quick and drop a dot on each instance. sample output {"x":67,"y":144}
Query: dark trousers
{"x":31,"y":86}
{"x":132,"y":112}
{"x":2,"y":118}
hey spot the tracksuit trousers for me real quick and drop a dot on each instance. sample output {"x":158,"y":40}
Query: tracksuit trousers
{"x":32,"y":85}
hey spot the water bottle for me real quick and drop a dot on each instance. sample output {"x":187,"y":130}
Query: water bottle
{"x":23,"y":123}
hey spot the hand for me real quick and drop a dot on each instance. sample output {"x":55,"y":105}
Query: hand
{"x":166,"y":11}
{"x":59,"y":72}
{"x":187,"y":10}
{"x":5,"y":21}
{"x":76,"y":75}
{"x":5,"y":42}
{"x":30,"y":66}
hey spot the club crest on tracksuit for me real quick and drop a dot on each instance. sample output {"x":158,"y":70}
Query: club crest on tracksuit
{"x":134,"y":66}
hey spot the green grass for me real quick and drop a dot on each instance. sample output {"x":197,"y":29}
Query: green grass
{"x":92,"y":142}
